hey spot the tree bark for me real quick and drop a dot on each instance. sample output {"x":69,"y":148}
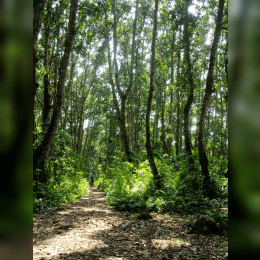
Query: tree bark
{"x":120,"y":111}
{"x":164,"y":144}
{"x":38,"y":6}
{"x":191,"y":89}
{"x":149,"y":104}
{"x":178,"y":119}
{"x":40,"y":151}
{"x":68,"y":91}
{"x":156,"y":117}
{"x":46,"y":95}
{"x":207,"y":183}
{"x":170,"y":127}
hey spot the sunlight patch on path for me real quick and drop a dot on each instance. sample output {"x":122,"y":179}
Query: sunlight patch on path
{"x":163,"y":243}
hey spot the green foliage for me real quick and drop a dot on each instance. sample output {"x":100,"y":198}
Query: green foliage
{"x":67,"y":188}
{"x":127,"y":186}
{"x":66,"y":178}
{"x":218,"y":165}
{"x":130,"y":188}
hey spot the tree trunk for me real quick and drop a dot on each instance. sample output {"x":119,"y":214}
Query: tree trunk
{"x":80,"y":126}
{"x":68,"y":92}
{"x":38,"y":6}
{"x":115,"y":84}
{"x":137,"y":96}
{"x":226,"y":60}
{"x":156,"y":117}
{"x":215,"y":127}
{"x":178,"y":119}
{"x":149,"y":104}
{"x":40,"y":151}
{"x":56,"y":60}
{"x":46,"y":95}
{"x":207,"y":184}
{"x":165,"y":148}
{"x":221,"y":152}
{"x":191,"y":89}
{"x":170,"y":127}
{"x":181,"y":130}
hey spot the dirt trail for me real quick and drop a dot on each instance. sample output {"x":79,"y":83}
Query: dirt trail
{"x":89,"y":230}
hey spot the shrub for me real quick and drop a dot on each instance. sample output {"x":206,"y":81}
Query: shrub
{"x":67,"y":188}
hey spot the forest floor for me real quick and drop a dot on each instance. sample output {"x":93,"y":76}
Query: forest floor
{"x":89,"y":230}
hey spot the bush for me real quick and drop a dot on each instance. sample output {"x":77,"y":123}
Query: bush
{"x":67,"y":188}
{"x":130,"y":188}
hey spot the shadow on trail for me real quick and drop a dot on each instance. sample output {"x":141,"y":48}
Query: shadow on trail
{"x":64,"y":218}
{"x":121,"y":237}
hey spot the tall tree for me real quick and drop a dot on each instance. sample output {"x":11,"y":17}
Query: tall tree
{"x":40,"y":151}
{"x":38,"y":6}
{"x":115,"y":84}
{"x":47,"y":97}
{"x":178,"y":116}
{"x":207,"y":184}
{"x":191,"y":87}
{"x":149,"y":104}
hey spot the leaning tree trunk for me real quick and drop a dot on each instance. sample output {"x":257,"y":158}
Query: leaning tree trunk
{"x":40,"y":151}
{"x":149,"y":104}
{"x":207,"y":184}
{"x":191,"y":90}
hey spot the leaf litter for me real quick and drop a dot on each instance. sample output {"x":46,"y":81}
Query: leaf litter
{"x":89,"y":229}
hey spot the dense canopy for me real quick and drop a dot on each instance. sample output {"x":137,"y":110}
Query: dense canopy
{"x":131,"y":96}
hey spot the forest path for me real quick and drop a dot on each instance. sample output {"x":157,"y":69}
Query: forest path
{"x":89,"y":230}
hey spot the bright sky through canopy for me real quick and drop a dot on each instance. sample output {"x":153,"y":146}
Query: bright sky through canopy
{"x":192,"y":9}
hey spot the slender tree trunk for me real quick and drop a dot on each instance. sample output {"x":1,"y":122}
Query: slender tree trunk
{"x":191,"y":89}
{"x":226,"y":61}
{"x":198,"y":115}
{"x":80,"y":126}
{"x":207,"y":184}
{"x":76,"y":119}
{"x":68,"y":92}
{"x":221,"y":124}
{"x":165,"y":148}
{"x":116,"y":84}
{"x":71,"y":118}
{"x":46,"y":95}
{"x":80,"y":130}
{"x":171,"y":118}
{"x":57,"y":58}
{"x":149,"y":104}
{"x":155,"y":126}
{"x":215,"y":127}
{"x":89,"y":141}
{"x":85,"y":142}
{"x":38,"y":6}
{"x":181,"y":130}
{"x":178,"y":119}
{"x":214,"y":121}
{"x":40,"y":151}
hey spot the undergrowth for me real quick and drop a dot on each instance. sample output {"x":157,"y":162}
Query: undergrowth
{"x":130,"y":188}
{"x":62,"y":190}
{"x":64,"y":177}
